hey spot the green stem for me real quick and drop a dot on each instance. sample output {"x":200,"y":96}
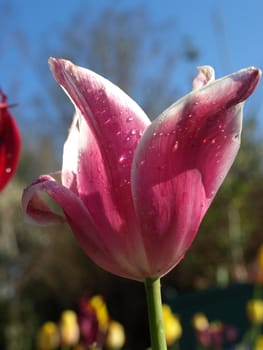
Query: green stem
{"x":155,"y":313}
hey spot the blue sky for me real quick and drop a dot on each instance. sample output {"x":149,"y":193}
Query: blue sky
{"x":227,"y":32}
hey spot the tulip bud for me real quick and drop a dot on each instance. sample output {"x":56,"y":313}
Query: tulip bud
{"x":255,"y":311}
{"x":200,"y":322}
{"x":172,"y":326}
{"x":48,"y":337}
{"x":69,"y":329}
{"x":115,"y":337}
{"x":99,"y":306}
{"x":259,"y":343}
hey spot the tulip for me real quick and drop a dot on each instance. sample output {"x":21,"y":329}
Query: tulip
{"x":200,"y":322}
{"x":69,"y":329}
{"x":172,"y":325}
{"x":115,"y":337}
{"x":259,"y":343}
{"x":99,"y":306}
{"x":255,"y":311}
{"x":10,"y":143}
{"x":134,"y":192}
{"x":48,"y":337}
{"x":89,"y":323}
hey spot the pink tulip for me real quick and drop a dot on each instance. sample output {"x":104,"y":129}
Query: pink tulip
{"x":134,"y":192}
{"x":10,"y":143}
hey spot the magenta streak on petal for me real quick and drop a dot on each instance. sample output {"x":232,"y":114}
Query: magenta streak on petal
{"x":182,"y":160}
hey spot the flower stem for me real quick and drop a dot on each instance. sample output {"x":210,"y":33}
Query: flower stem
{"x":155,"y":314}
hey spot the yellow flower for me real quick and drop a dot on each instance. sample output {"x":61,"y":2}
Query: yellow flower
{"x":200,"y":322}
{"x":99,"y":306}
{"x":172,"y":326}
{"x":115,"y":337}
{"x":259,"y":266}
{"x":260,"y":257}
{"x":69,"y":329}
{"x":48,"y":337}
{"x":255,"y":310}
{"x":259,"y":343}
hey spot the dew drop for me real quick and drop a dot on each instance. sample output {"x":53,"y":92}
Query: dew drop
{"x":190,"y":115}
{"x":213,"y":141}
{"x":124,"y":183}
{"x":8,"y":170}
{"x":129,"y":119}
{"x":118,"y":133}
{"x":107,"y":121}
{"x":175,"y":146}
{"x":127,"y":138}
{"x":122,"y":159}
{"x":142,"y":162}
{"x":204,"y":140}
{"x":133,"y":132}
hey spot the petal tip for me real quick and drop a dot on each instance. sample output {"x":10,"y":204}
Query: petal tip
{"x":205,"y":75}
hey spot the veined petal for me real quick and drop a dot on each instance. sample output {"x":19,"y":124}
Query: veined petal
{"x":10,"y":144}
{"x":109,"y":125}
{"x":110,"y":254}
{"x":182,"y":160}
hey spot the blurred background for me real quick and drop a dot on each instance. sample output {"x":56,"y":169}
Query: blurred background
{"x":151,"y":50}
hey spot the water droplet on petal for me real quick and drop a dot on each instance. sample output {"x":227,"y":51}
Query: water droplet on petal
{"x":129,"y":119}
{"x":107,"y":121}
{"x":175,"y":146}
{"x":213,"y":141}
{"x":133,"y":132}
{"x":204,"y":140}
{"x":122,"y":159}
{"x":8,"y":170}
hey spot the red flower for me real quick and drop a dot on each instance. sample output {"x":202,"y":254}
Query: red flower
{"x":10,"y":143}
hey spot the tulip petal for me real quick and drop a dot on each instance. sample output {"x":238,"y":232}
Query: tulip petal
{"x":182,"y":160}
{"x":110,"y":254}
{"x":107,"y":131}
{"x":10,"y":144}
